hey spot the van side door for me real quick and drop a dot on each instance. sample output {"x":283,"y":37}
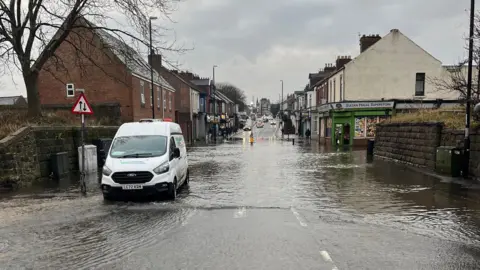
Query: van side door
{"x":173,"y":162}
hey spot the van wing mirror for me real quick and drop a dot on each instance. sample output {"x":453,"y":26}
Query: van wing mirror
{"x":176,"y":152}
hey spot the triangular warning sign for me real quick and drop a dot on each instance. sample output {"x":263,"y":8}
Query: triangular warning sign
{"x":82,"y":106}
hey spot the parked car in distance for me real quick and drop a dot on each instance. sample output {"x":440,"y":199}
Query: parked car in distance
{"x":145,"y":159}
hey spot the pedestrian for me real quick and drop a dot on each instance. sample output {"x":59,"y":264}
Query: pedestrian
{"x":308,"y":133}
{"x":282,"y":132}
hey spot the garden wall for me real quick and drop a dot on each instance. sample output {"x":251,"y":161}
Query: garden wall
{"x":416,"y":143}
{"x":25,"y":155}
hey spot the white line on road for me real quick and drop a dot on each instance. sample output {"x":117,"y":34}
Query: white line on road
{"x":326,"y":257}
{"x":299,"y":218}
{"x":240,"y":213}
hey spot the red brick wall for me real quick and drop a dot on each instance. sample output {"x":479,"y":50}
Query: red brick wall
{"x":182,"y":93}
{"x":102,"y":75}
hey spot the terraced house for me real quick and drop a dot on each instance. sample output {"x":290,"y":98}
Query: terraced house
{"x":391,"y":74}
{"x":113,"y":75}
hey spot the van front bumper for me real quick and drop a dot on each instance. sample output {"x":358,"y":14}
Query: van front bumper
{"x":152,"y":190}
{"x":158,"y":184}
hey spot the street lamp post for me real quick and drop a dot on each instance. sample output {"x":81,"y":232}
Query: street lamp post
{"x":469,"y":93}
{"x":214,"y":106}
{"x":152,"y":103}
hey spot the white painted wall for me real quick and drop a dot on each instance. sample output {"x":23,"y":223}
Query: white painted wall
{"x":388,"y":69}
{"x":311,"y":99}
{"x":195,"y":101}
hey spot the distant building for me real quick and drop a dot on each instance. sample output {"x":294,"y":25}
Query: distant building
{"x":13,"y":100}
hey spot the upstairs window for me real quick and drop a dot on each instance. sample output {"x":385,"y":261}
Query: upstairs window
{"x":341,"y":88}
{"x":420,"y":84}
{"x":158,"y":98}
{"x":70,"y":90}
{"x":151,"y":96}
{"x":164,"y":100}
{"x":142,"y":94}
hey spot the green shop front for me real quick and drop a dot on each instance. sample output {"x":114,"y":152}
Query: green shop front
{"x":353,"y":123}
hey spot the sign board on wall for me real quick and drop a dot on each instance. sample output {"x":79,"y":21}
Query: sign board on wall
{"x":364,"y":105}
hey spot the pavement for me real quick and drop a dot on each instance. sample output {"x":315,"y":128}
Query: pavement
{"x":271,"y":205}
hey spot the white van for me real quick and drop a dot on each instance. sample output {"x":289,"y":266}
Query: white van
{"x":145,"y":158}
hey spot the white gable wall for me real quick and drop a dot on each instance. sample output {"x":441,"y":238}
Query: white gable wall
{"x":388,"y":69}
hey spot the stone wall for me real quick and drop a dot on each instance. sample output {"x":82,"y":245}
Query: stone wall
{"x":416,"y":143}
{"x":411,"y":143}
{"x":25,"y":155}
{"x":109,"y":113}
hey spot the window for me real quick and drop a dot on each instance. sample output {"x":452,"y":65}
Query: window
{"x":330,"y":87}
{"x":420,"y":84}
{"x":334,"y":89}
{"x":341,"y":88}
{"x":202,"y":104}
{"x":172,"y":147}
{"x":170,"y":101}
{"x":151,"y":96}
{"x":142,"y":94}
{"x":70,"y":90}
{"x":139,"y":146}
{"x":164,"y":100}
{"x":158,"y":98}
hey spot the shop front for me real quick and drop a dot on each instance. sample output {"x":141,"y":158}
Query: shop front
{"x":353,"y":123}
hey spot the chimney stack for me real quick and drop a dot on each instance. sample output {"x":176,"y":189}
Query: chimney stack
{"x":342,"y":61}
{"x":367,"y":41}
{"x":155,"y":61}
{"x":329,"y":67}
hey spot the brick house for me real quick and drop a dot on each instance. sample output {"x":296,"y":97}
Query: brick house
{"x":187,"y":100}
{"x":109,"y":71}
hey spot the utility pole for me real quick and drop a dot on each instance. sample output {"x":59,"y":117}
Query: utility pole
{"x":214,"y":88}
{"x":466,"y":161}
{"x":152,"y":96}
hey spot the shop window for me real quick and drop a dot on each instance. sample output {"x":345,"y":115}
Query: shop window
{"x":365,"y":126}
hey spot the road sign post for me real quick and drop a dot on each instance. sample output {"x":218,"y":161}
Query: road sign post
{"x":83,"y":108}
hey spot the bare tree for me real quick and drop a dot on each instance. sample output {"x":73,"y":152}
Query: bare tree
{"x":456,"y":79}
{"x":234,"y":93}
{"x":31,"y":33}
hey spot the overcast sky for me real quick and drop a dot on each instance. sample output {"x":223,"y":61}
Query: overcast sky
{"x":257,"y":43}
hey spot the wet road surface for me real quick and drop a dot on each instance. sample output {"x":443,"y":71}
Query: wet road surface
{"x":272,"y":205}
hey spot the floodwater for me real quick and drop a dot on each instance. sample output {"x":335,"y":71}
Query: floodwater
{"x":272,"y":205}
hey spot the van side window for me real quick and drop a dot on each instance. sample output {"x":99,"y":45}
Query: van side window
{"x":172,"y":147}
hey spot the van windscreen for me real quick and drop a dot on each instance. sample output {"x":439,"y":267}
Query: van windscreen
{"x":139,"y":146}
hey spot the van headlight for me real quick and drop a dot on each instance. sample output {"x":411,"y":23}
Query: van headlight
{"x":106,"y":171}
{"x":163,"y":168}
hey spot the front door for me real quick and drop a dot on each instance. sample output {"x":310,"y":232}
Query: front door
{"x":342,"y":134}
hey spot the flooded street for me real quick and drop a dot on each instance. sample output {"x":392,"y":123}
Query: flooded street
{"x":272,"y":205}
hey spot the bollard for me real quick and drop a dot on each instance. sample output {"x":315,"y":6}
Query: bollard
{"x":370,"y":146}
{"x":293,"y":141}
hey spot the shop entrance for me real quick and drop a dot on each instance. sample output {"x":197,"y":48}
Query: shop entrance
{"x":342,"y":134}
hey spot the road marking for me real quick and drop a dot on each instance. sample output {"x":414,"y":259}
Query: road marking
{"x":299,"y":218}
{"x":326,"y":257}
{"x":240,"y":213}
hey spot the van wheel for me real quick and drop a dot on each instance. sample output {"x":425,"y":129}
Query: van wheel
{"x":107,"y":198}
{"x":172,"y":190}
{"x":187,"y":178}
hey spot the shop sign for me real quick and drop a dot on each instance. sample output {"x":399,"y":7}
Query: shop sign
{"x":324,"y":108}
{"x":364,"y":105}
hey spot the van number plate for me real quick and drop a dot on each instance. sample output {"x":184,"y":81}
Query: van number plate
{"x":130,"y":187}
